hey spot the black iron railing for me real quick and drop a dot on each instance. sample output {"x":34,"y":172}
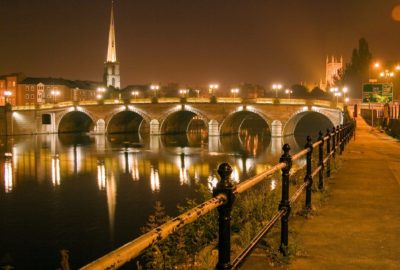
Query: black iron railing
{"x":224,"y":197}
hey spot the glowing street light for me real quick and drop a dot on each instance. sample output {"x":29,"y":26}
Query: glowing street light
{"x":7,"y":94}
{"x":55,"y":94}
{"x":276,"y":87}
{"x":135,"y":94}
{"x":234,"y":92}
{"x":155,"y":87}
{"x":288,"y":92}
{"x":377,"y":65}
{"x":212,"y":88}
{"x":183,"y":92}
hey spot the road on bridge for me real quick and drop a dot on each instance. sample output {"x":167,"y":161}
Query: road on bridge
{"x":358,"y":227}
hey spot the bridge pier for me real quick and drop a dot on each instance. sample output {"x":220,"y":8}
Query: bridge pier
{"x":155,"y":127}
{"x":100,"y":127}
{"x":213,"y":128}
{"x":276,"y":129}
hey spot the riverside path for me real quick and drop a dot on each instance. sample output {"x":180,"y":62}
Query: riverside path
{"x":358,"y":227}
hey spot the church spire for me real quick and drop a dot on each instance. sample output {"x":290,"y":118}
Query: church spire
{"x":112,"y":51}
{"x":111,"y":76}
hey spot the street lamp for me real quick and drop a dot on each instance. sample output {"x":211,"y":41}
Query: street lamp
{"x":7,"y":94}
{"x":183,"y":92}
{"x":234,"y":92}
{"x":135,"y":94}
{"x":288,"y":92}
{"x":100,"y":92}
{"x":155,"y":87}
{"x":276,"y":87}
{"x":213,"y":87}
{"x":55,"y":94}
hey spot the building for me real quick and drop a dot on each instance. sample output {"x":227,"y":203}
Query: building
{"x":8,"y":88}
{"x":111,"y":75}
{"x":36,"y":91}
{"x":332,"y":69}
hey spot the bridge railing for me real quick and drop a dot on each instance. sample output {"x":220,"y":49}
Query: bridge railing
{"x":224,"y":195}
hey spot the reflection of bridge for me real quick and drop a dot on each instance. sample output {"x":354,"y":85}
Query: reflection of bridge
{"x":169,"y":116}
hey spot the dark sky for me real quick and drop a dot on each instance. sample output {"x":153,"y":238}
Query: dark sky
{"x":193,"y":41}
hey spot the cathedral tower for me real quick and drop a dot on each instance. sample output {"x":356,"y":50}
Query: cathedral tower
{"x":111,"y":66}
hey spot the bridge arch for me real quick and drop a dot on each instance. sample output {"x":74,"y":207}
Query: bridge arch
{"x":181,"y":118}
{"x":127,"y":119}
{"x":322,"y":118}
{"x":248,"y":116}
{"x":75,"y":120}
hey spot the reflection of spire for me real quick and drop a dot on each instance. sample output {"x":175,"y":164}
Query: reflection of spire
{"x":111,"y":202}
{"x":112,"y":51}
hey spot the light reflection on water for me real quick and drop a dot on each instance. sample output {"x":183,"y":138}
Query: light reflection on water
{"x":71,"y":189}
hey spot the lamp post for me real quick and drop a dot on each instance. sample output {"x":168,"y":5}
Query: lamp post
{"x":183,"y":92}
{"x":55,"y":94}
{"x":288,"y":92}
{"x":234,"y":92}
{"x":100,"y":92}
{"x":276,"y":87}
{"x":212,"y":88}
{"x":155,"y":87}
{"x":7,"y":95}
{"x":135,"y":94}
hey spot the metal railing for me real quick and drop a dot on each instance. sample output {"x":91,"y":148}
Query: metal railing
{"x":224,"y":195}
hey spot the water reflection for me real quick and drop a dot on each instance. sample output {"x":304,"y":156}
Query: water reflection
{"x":55,"y":171}
{"x":111,"y":182}
{"x":154,"y":179}
{"x":8,"y":173}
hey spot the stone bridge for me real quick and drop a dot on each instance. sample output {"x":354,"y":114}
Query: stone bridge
{"x":170,"y":116}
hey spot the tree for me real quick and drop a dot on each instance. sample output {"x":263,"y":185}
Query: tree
{"x":356,"y":72}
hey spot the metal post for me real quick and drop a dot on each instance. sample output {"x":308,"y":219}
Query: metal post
{"x":308,"y":177}
{"x":321,"y":161}
{"x":338,"y":137}
{"x":328,"y":152}
{"x":285,"y":204}
{"x":334,"y":142}
{"x":226,"y":187}
{"x":341,"y":142}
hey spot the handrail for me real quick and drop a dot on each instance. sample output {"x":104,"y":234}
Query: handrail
{"x":223,"y":198}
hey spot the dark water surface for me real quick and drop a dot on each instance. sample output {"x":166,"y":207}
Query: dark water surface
{"x":91,"y":194}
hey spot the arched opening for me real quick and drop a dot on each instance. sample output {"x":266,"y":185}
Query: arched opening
{"x":125,"y":128}
{"x":125,"y":122}
{"x":182,"y":122}
{"x":75,"y":122}
{"x":244,"y":122}
{"x":307,"y":123}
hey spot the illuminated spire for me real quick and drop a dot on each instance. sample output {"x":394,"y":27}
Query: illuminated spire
{"x":112,"y":51}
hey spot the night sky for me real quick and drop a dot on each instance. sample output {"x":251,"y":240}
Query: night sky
{"x":193,"y":41}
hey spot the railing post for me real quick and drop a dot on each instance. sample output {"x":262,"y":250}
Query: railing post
{"x":342,"y":138}
{"x":308,"y":178}
{"x":334,"y":142}
{"x":285,"y":204}
{"x":321,"y":161}
{"x":338,"y":138}
{"x":226,"y":187}
{"x":328,"y":153}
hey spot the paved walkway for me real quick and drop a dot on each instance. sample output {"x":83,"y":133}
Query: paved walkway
{"x":358,"y":227}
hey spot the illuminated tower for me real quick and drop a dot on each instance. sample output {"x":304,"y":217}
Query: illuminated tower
{"x":111,"y":66}
{"x":332,"y":69}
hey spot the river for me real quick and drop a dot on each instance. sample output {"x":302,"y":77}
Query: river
{"x":91,"y":194}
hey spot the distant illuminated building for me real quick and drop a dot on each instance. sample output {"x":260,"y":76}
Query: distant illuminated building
{"x":111,"y":66}
{"x":333,"y":67}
